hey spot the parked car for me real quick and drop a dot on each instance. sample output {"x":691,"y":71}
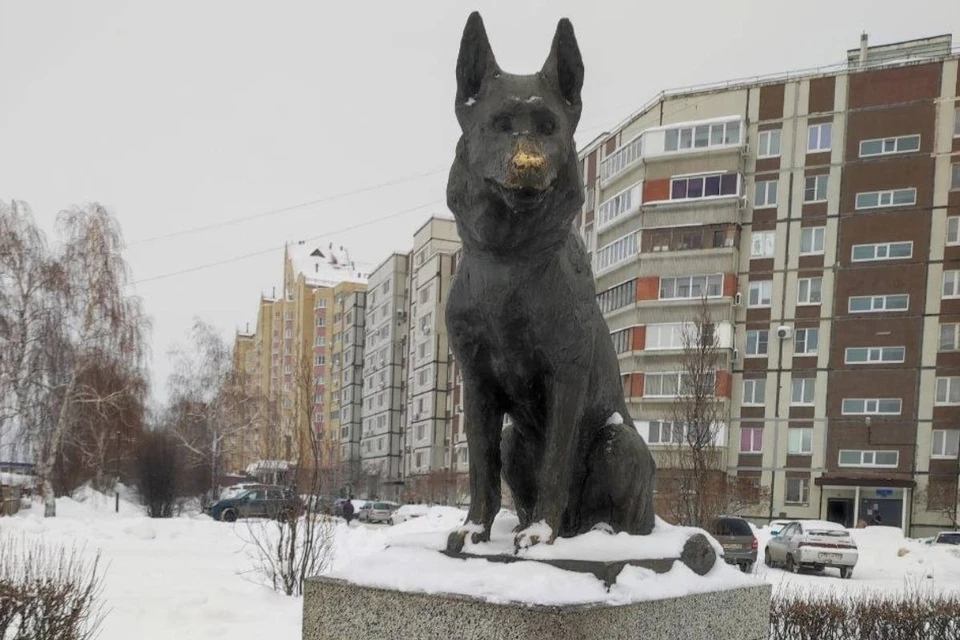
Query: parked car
{"x":408,"y":512}
{"x":261,"y":502}
{"x":816,"y":544}
{"x":736,"y":537}
{"x":236,"y":489}
{"x":951,"y":538}
{"x":777,"y":525}
{"x":377,"y":511}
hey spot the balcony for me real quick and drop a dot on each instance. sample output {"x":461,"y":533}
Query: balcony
{"x":622,"y":159}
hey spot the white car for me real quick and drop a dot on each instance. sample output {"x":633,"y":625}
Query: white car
{"x":777,"y":525}
{"x":951,"y":538}
{"x":816,"y":544}
{"x":408,"y":512}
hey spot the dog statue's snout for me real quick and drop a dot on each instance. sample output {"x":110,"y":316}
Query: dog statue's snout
{"x":528,"y":166}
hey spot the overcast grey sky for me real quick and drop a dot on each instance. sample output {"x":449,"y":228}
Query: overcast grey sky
{"x":181,"y":114}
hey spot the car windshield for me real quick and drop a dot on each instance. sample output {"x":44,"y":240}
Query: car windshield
{"x":731,"y":527}
{"x":382,"y":506}
{"x":949,"y":538}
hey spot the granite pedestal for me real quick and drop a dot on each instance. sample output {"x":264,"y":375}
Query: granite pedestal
{"x":338,"y":610}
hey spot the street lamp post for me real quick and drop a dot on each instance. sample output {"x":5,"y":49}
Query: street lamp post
{"x":117,"y":506}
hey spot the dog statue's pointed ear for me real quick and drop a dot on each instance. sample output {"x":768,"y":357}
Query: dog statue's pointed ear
{"x":564,"y":66}
{"x":476,"y":60}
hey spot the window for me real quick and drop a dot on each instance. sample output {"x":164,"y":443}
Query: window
{"x":624,"y":202}
{"x":762,"y":244}
{"x":956,"y":122}
{"x":423,"y":376}
{"x":882,"y":251}
{"x":321,"y":341}
{"x":945,"y":443}
{"x":424,"y":294}
{"x":797,"y":491}
{"x":948,"y":391}
{"x":818,"y":137}
{"x":800,"y":442}
{"x":811,"y":240}
{"x":617,"y":297}
{"x":953,"y":228}
{"x":672,"y":384}
{"x":950,"y":337}
{"x":803,"y":390}
{"x":951,"y":284}
{"x":617,"y":252}
{"x":768,"y":144}
{"x":621,"y":340}
{"x":666,"y":336}
{"x":871,"y":406}
{"x":702,"y":136}
{"x":321,"y":360}
{"x":622,"y":158}
{"x":662,"y":432}
{"x":321,"y":303}
{"x":759,"y":294}
{"x":751,"y":440}
{"x":765,"y":194}
{"x":806,"y":342}
{"x":873,"y":304}
{"x":891,"y":198}
{"x":875,"y":355}
{"x":691,"y":287}
{"x":808,"y":290}
{"x":886,"y":146}
{"x":705,"y":186}
{"x":857,"y":458}
{"x":288,"y":333}
{"x":288,"y":315}
{"x":815,"y":188}
{"x":321,"y":321}
{"x":755,"y":391}
{"x":955,"y":176}
{"x":757,"y":342}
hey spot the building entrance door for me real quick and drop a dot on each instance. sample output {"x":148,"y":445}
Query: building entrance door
{"x":840,"y":510}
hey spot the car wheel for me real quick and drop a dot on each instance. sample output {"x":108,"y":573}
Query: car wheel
{"x":767,"y":558}
{"x":229,"y":516}
{"x":846,"y":573}
{"x":791,"y":565}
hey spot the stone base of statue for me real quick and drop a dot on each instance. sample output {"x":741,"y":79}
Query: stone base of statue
{"x":597,"y":585}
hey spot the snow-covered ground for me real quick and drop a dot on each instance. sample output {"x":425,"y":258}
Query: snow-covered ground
{"x":191,"y":578}
{"x":888,"y":563}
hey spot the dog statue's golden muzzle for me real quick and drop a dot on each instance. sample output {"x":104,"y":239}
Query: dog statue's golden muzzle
{"x":528,"y":167}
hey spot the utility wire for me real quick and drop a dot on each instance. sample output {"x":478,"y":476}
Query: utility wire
{"x":261,"y":252}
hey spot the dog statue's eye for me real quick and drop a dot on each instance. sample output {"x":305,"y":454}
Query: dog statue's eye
{"x":502,"y":124}
{"x":546,"y":127}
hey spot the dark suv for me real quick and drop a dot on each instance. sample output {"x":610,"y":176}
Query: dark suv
{"x":736,"y":537}
{"x":272,"y":502}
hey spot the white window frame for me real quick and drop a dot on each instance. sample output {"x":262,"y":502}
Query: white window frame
{"x":768,"y":143}
{"x":618,"y":252}
{"x":761,"y":338}
{"x":875,"y":355}
{"x":805,"y":290}
{"x":956,"y":122}
{"x":945,"y":444}
{"x":890,"y":146}
{"x":870,"y":455}
{"x":672,"y":331}
{"x":955,"y":176}
{"x":873,"y":303}
{"x":953,"y":231}
{"x":885,"y":199}
{"x":753,"y":448}
{"x":716,"y":278}
{"x":950,"y":386}
{"x":763,"y":244}
{"x":803,"y":491}
{"x":766,"y":194}
{"x":804,"y":383}
{"x":703,"y":177}
{"x":954,"y":329}
{"x":881,"y":251}
{"x":687,"y":143}
{"x":760,"y":286}
{"x":951,"y":277}
{"x":816,"y":181}
{"x":749,"y":393}
{"x":625,"y":156}
{"x":815,"y":234}
{"x":816,"y":133}
{"x":805,"y":341}
{"x":800,"y":441}
{"x":870,"y":407}
{"x":621,"y":204}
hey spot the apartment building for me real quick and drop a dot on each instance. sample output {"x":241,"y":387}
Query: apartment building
{"x":818,"y":214}
{"x":384,"y":369}
{"x":347,"y":373}
{"x":427,"y":438}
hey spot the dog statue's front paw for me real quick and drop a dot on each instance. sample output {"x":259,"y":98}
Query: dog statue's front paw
{"x":534,"y":534}
{"x":458,"y":538}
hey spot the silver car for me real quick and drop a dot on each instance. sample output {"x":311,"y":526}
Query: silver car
{"x":814,"y":544}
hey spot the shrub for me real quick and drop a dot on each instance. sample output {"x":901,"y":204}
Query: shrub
{"x":918,"y":614}
{"x":158,"y":462}
{"x":48,"y":592}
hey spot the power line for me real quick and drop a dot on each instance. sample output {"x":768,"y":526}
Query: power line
{"x":261,"y":252}
{"x":272,"y":212}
